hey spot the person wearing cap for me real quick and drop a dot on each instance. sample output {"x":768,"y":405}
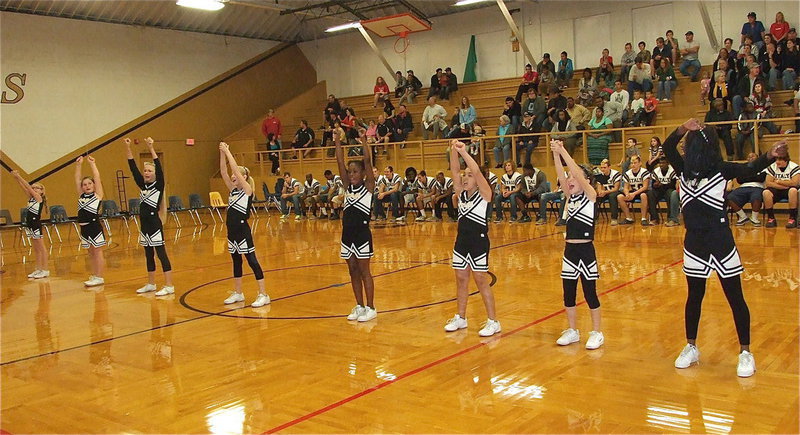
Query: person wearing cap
{"x":755,"y":29}
{"x":546,"y":63}
{"x":554,"y":103}
{"x":528,"y":142}
{"x":689,"y":57}
{"x":792,"y":35}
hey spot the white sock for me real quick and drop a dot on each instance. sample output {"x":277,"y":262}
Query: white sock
{"x":422,"y":212}
{"x":754,"y":215}
{"x":741,"y":214}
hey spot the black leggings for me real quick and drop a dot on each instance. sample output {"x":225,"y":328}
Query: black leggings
{"x":733,"y":292}
{"x":589,"y":292}
{"x":251,"y":260}
{"x":149,"y":254}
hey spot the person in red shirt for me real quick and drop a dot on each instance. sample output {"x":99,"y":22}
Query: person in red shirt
{"x":529,"y":80}
{"x":779,"y":29}
{"x":380,"y":89}
{"x":272,"y":125}
{"x":606,"y":57}
{"x":650,"y":105}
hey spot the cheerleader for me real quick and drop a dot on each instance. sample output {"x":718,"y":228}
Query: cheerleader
{"x":359,"y":184}
{"x":37,"y":202}
{"x":709,"y":243}
{"x":240,"y":239}
{"x":151,"y":231}
{"x":471,"y":251}
{"x":93,"y":238}
{"x":579,"y":256}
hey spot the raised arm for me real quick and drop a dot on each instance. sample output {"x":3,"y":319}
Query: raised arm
{"x":455,"y":166}
{"x":576,"y":171}
{"x":137,"y":176}
{"x":248,"y":189}
{"x":483,"y":183}
{"x":670,"y":145}
{"x":78,"y":175}
{"x":223,"y":167}
{"x":340,"y":161}
{"x":562,"y":180}
{"x":26,"y":186}
{"x":369,"y":182}
{"x":98,"y":184}
{"x":734,"y":170}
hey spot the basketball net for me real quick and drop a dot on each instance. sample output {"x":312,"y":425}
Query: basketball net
{"x":402,"y":43}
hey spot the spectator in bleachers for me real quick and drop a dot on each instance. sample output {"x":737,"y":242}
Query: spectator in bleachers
{"x":452,"y":80}
{"x":667,"y":82}
{"x":780,"y":28}
{"x":426,"y":190}
{"x":650,"y":107}
{"x":613,"y":111}
{"x":383,"y":133}
{"x":637,"y":110}
{"x":444,"y":86}
{"x":372,"y":132}
{"x":433,"y":119}
{"x":554,"y":103}
{"x":412,"y":88}
{"x":511,"y":186}
{"x":332,"y":107}
{"x":435,"y":89}
{"x":637,"y":182}
{"x":545,"y":198}
{"x":790,"y":65}
{"x":605,"y":56}
{"x":745,"y":129}
{"x":530,"y":79}
{"x":272,"y":125}
{"x":725,"y":67}
{"x":762,"y":104}
{"x":547,"y":79}
{"x":311,"y":195}
{"x":607,"y":185}
{"x":565,"y":131}
{"x":409,"y":190}
{"x":403,"y":124}
{"x":534,"y":184}
{"x":460,"y":131}
{"x":502,"y":146}
{"x":660,"y":51}
{"x":705,"y":88}
{"x":537,"y":106}
{"x":639,"y":78}
{"x":388,"y":107}
{"x":783,"y":180}
{"x":344,"y":108}
{"x":391,"y":184}
{"x":754,"y":29}
{"x":333,"y":195}
{"x":750,"y":190}
{"x":513,"y":111}
{"x":399,"y":84}
{"x":664,"y":186}
{"x":656,"y":152}
{"x":605,"y":72}
{"x":631,"y":150}
{"x":444,"y":196}
{"x":292,"y":191}
{"x":454,"y":124}
{"x":466,"y":112}
{"x":673,"y":46}
{"x":627,"y":61}
{"x":474,"y":147}
{"x":791,"y":36}
{"x":349,"y":125}
{"x":744,"y":88}
{"x":770,"y":61}
{"x":587,"y":87}
{"x":527,"y":143}
{"x":303,"y":138}
{"x":719,"y":113}
{"x":643,"y":53}
{"x":597,"y":146}
{"x":621,"y":96}
{"x":689,"y":57}
{"x":327,"y":130}
{"x":732,"y":53}
{"x":546,"y":63}
{"x":565,"y":71}
{"x":274,"y":154}
{"x":741,"y":65}
{"x":380,"y":90}
{"x":578,"y":114}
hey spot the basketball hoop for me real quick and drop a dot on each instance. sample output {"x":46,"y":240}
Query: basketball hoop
{"x":400,"y":25}
{"x":402,"y":41}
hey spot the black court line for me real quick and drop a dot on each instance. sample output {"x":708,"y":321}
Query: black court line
{"x":204,"y":316}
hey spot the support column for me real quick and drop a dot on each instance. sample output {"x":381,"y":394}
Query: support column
{"x":515,"y":30}
{"x":377,"y":51}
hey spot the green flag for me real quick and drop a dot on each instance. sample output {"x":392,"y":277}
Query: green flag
{"x":472,"y":62}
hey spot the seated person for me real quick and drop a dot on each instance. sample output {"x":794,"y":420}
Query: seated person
{"x":529,"y":80}
{"x":664,"y":181}
{"x":333,"y":195}
{"x":304,"y":138}
{"x":511,"y":186}
{"x":607,"y":187}
{"x":292,"y":191}
{"x":637,"y":181}
{"x":389,"y":190}
{"x":444,"y":195}
{"x":403,"y":125}
{"x":783,"y":179}
{"x":750,"y":190}
{"x":650,"y":106}
{"x":409,"y":191}
{"x":310,"y":196}
{"x":545,"y":198}
{"x":529,"y":142}
{"x":534,"y":184}
{"x":426,"y":190}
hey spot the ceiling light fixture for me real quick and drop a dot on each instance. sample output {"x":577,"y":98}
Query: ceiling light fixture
{"x":468,"y":2}
{"x":353,"y":25}
{"x":206,"y":5}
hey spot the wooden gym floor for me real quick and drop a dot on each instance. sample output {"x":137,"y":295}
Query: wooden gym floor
{"x":108,"y":360}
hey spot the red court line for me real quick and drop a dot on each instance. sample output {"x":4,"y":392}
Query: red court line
{"x":449,"y":357}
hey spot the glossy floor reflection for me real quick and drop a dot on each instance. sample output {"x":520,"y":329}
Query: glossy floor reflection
{"x":108,"y":360}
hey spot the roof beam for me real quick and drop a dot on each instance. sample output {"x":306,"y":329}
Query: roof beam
{"x":314,"y":6}
{"x":415,"y":10}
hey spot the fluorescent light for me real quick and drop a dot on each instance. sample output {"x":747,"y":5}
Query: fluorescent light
{"x":206,"y":5}
{"x":468,"y":2}
{"x":353,"y":25}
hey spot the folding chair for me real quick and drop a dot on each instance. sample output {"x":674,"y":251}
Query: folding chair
{"x":176,"y":206}
{"x":196,"y":203}
{"x":216,"y":203}
{"x":58,"y":215}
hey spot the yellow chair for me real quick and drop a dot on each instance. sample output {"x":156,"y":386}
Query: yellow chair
{"x":216,"y":203}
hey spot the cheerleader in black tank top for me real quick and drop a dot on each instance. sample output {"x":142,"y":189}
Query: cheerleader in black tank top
{"x":151,"y":231}
{"x":471,"y":251}
{"x":240,"y":239}
{"x":359,"y":183}
{"x":93,"y":238}
{"x":579,"y":259}
{"x":37,"y":202}
{"x":709,"y":243}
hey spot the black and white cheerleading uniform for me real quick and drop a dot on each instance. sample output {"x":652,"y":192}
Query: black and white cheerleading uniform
{"x":784,"y":174}
{"x":635,"y":180}
{"x":240,"y":238}
{"x":356,"y":235}
{"x":472,"y":242}
{"x":33,"y":219}
{"x":151,"y":231}
{"x":89,"y":220}
{"x":708,"y":244}
{"x":580,"y":258}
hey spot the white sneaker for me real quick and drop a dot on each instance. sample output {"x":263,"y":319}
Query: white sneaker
{"x":41,"y":274}
{"x":456,"y":323}
{"x":569,"y":336}
{"x":400,"y":219}
{"x":595,"y":340}
{"x":755,"y":221}
{"x":689,"y":355}
{"x":490,"y":328}
{"x":261,"y":300}
{"x":147,"y":288}
{"x":34,"y":273}
{"x":234,"y":298}
{"x":368,"y":314}
{"x":355,"y":313}
{"x":166,"y":290}
{"x":747,"y":365}
{"x":298,"y":217}
{"x":94,"y":281}
{"x":420,"y":218}
{"x":742,"y":220}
